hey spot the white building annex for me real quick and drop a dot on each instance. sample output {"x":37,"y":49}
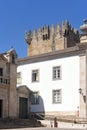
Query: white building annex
{"x":57,"y":78}
{"x":55,"y":95}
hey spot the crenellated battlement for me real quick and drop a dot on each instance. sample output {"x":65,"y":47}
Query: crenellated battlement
{"x":48,"y":39}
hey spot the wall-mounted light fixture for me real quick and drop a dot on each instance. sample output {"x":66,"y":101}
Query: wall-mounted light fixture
{"x":81,"y":92}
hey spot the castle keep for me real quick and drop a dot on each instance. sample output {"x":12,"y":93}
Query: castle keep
{"x":49,"y":39}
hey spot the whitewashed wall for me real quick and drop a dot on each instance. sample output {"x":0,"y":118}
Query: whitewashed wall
{"x":69,"y":84}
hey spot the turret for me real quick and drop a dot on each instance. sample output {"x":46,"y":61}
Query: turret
{"x":83,"y":37}
{"x":11,"y":56}
{"x":28,"y":37}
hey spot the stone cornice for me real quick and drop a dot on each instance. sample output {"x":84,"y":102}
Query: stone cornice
{"x":72,"y":51}
{"x":3,"y":58}
{"x":82,"y":46}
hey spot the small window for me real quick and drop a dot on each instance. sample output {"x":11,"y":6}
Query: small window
{"x":45,"y":37}
{"x":19,"y":78}
{"x":35,"y":75}
{"x":1,"y":71}
{"x":34,"y":98}
{"x":1,"y":80}
{"x":13,"y":58}
{"x":57,"y":96}
{"x":57,"y":72}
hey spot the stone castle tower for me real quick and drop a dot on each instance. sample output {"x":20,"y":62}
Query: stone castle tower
{"x":48,"y":39}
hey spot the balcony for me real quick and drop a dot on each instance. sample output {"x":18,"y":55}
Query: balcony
{"x":4,"y":80}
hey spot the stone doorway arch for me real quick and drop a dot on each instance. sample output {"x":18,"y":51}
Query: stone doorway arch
{"x":23,"y":101}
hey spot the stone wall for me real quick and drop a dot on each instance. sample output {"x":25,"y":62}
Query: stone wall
{"x":4,"y":97}
{"x":83,"y":86}
{"x":8,"y":93}
{"x":48,"y":39}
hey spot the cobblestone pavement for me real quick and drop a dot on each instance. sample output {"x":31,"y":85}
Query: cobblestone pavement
{"x":46,"y":129}
{"x":64,"y":125}
{"x":60,"y":126}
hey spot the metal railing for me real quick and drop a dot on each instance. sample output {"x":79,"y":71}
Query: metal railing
{"x":4,"y":80}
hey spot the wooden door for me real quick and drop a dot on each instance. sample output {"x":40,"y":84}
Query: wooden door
{"x":23,"y":107}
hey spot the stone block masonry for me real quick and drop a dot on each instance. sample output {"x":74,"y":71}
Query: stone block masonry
{"x":48,"y":39}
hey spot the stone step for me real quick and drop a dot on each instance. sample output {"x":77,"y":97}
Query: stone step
{"x":19,"y":123}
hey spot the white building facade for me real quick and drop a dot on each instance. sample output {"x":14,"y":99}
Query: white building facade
{"x":57,"y":81}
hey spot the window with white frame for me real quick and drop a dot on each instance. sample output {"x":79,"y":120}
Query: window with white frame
{"x":35,"y":75}
{"x":56,"y":72}
{"x":34,"y":98}
{"x":57,"y":96}
{"x":19,"y":78}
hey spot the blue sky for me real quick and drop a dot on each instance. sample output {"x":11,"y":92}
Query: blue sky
{"x":19,"y":16}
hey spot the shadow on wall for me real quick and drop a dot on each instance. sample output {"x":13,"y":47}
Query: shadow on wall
{"x":37,"y":106}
